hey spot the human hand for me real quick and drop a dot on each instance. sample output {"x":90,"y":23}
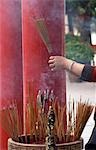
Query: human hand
{"x":60,"y":62}
{"x":56,"y":63}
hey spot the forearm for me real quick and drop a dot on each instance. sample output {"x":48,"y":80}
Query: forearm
{"x":74,"y":67}
{"x":84,"y":71}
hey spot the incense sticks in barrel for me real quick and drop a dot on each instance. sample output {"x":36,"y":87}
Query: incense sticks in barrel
{"x":78,"y":115}
{"x":37,"y":117}
{"x":11,"y":121}
{"x":84,"y":111}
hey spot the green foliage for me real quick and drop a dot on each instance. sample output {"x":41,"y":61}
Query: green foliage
{"x":81,"y":7}
{"x":92,"y":7}
{"x":77,"y":50}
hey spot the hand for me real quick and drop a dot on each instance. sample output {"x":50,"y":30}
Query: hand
{"x":56,"y":63}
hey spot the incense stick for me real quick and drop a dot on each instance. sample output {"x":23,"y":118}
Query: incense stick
{"x":43,"y":31}
{"x":36,"y":121}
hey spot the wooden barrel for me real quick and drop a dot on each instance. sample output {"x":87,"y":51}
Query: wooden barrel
{"x":77,"y":145}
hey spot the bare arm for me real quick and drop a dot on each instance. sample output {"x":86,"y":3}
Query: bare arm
{"x":60,"y":62}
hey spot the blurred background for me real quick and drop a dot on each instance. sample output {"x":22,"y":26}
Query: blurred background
{"x":80,"y":45}
{"x":80,"y":29}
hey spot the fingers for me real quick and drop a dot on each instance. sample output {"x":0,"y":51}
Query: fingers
{"x":52,"y":66}
{"x":51,"y":63}
{"x":53,"y":69}
{"x":51,"y":60}
{"x":52,"y":57}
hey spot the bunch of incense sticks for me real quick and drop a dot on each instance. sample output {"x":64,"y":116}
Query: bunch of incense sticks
{"x":37,"y":118}
{"x":43,"y":31}
{"x":37,"y":114}
{"x":84,"y":111}
{"x":11,"y":121}
{"x":78,"y":115}
{"x":60,"y":125}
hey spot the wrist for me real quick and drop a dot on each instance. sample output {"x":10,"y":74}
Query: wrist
{"x":68,"y":64}
{"x":70,"y":67}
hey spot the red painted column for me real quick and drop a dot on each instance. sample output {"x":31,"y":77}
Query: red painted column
{"x":10,"y":58}
{"x":35,"y":53}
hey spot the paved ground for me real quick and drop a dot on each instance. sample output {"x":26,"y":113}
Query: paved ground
{"x":87,"y":91}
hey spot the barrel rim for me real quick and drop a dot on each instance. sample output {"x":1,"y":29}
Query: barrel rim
{"x":43,"y":145}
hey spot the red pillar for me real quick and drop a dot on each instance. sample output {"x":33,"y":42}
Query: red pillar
{"x":35,"y":53}
{"x":10,"y":58}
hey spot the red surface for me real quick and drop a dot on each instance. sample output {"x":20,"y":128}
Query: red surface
{"x":10,"y":58}
{"x":35,"y":54}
